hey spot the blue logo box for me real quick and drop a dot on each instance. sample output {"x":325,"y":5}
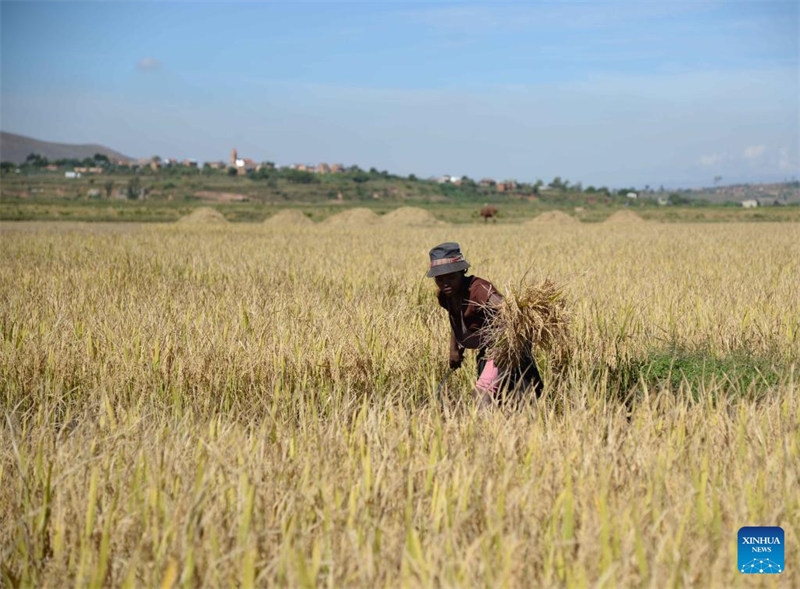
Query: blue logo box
{"x":761,"y":550}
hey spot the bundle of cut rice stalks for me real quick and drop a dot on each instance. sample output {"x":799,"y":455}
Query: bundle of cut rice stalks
{"x":532,"y":321}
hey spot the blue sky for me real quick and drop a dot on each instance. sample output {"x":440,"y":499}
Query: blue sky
{"x":605,"y":93}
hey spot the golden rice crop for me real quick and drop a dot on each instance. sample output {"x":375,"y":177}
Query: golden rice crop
{"x":531,"y":319}
{"x":240,"y":407}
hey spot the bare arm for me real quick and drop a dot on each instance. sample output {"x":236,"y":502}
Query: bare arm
{"x":456,"y":351}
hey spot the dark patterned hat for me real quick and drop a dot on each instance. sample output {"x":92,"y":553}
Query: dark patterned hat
{"x":447,"y":258}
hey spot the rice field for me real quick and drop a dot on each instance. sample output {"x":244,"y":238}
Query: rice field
{"x":253,"y":405}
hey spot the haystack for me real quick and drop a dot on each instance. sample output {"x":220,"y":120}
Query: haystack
{"x":288,"y":217}
{"x":624,"y":217}
{"x":553,"y":218}
{"x":203,"y":216}
{"x":353,"y":217}
{"x":411,"y":216}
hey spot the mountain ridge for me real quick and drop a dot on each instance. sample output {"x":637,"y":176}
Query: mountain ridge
{"x":16,"y":148}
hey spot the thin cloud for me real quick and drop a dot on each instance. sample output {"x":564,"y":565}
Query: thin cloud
{"x":754,"y":152}
{"x":786,"y":162}
{"x":148,"y":64}
{"x":713,"y":159}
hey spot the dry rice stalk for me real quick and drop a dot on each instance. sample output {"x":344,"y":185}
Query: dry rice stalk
{"x":530,"y":319}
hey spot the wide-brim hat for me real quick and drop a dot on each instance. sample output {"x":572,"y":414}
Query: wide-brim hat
{"x":446,"y":258}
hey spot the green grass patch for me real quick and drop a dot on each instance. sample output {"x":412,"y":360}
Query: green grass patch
{"x":738,"y":373}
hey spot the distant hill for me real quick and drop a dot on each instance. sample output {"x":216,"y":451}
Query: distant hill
{"x":15,"y":148}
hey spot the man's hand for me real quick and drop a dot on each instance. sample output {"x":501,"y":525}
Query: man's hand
{"x":456,"y":357}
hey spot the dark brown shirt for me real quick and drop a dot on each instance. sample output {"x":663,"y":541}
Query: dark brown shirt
{"x":468,"y":310}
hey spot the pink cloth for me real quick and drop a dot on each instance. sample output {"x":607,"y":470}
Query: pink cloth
{"x":489,"y":380}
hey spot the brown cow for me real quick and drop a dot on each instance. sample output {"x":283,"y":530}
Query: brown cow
{"x":489,"y":212}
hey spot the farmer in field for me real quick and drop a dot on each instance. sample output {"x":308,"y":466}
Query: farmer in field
{"x":470,"y":302}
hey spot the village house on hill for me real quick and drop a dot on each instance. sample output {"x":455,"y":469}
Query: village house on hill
{"x":242,"y":165}
{"x":447,"y":178}
{"x":321,"y":168}
{"x":507,"y":186}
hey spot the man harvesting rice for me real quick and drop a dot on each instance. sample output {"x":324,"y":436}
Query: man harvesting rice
{"x":471,"y":303}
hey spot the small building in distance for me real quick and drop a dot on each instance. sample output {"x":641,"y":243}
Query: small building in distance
{"x":506,"y":186}
{"x":242,"y":165}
